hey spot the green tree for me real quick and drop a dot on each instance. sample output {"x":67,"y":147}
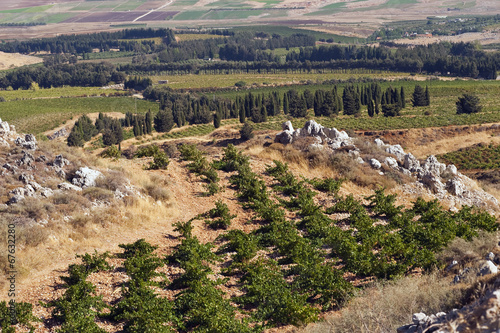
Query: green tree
{"x":164,"y":121}
{"x":246,"y":131}
{"x":419,"y":97}
{"x":217,"y":119}
{"x":469,"y":103}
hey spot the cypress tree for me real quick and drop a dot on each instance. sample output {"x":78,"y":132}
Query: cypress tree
{"x":285,"y":104}
{"x":371,"y":108}
{"x":217,"y":119}
{"x":427,"y":96}
{"x":164,"y":121}
{"x":403,"y":97}
{"x":149,"y":122}
{"x":419,"y":97}
{"x":242,"y":113}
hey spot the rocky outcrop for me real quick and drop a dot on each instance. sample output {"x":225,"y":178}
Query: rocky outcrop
{"x":60,"y":161}
{"x":63,"y":132}
{"x":481,"y":316}
{"x":28,"y":142}
{"x":328,"y":137}
{"x":68,"y":187}
{"x":85,"y":177}
{"x":375,"y":163}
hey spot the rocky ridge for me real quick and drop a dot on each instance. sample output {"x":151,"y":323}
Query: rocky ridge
{"x":436,"y":179}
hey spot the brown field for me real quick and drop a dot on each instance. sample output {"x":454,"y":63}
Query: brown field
{"x":11,"y":60}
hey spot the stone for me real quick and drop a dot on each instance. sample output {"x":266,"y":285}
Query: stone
{"x":451,"y":169}
{"x":396,"y":150}
{"x":86,"y":177}
{"x":419,"y":318}
{"x":20,"y":191}
{"x":488,"y":267}
{"x":46,"y":192}
{"x":29,"y":142}
{"x":41,"y":158}
{"x":287,"y":126}
{"x":15,"y":199}
{"x":60,"y":161}
{"x":391,"y":161}
{"x":4,"y":127}
{"x":11,"y":168}
{"x":375,"y":163}
{"x":434,"y":166}
{"x":455,"y":186}
{"x":37,"y":187}
{"x":411,"y":163}
{"x":60,"y":173}
{"x":404,"y":171}
{"x":312,"y":128}
{"x":359,"y":160}
{"x":453,"y":264}
{"x":433,"y":183}
{"x":315,"y":147}
{"x":379,"y":142}
{"x":25,"y":179}
{"x":58,"y":134}
{"x":27,"y":159}
{"x":284,"y":137}
{"x":4,"y":143}
{"x":68,"y":187}
{"x":490,"y":256}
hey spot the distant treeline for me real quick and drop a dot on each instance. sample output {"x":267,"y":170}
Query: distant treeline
{"x":22,"y":24}
{"x":460,"y":59}
{"x":78,"y":44}
{"x":85,"y":75}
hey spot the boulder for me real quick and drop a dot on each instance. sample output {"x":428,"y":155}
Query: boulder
{"x":455,"y":186}
{"x":68,"y":187}
{"x":25,"y":179}
{"x":434,"y":166}
{"x":11,"y":168}
{"x":375,"y":163}
{"x":433,"y":183}
{"x":397,"y":151}
{"x":287,"y":126}
{"x":488,"y":267}
{"x":285,"y":137}
{"x":19,"y":191}
{"x":490,"y":256}
{"x":46,"y":192}
{"x":86,"y":177}
{"x":58,"y":134}
{"x":60,"y":161}
{"x":312,"y":128}
{"x":60,"y":173}
{"x":451,"y":170}
{"x":27,"y":159}
{"x":411,"y":163}
{"x":29,"y":142}
{"x":4,"y":127}
{"x":379,"y":142}
{"x":15,"y":199}
{"x":391,"y":161}
{"x":419,"y":318}
{"x":41,"y":158}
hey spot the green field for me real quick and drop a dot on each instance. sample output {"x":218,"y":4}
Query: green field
{"x":55,"y":93}
{"x":190,"y":15}
{"x":39,"y":115}
{"x":477,"y":157}
{"x":228,"y":80}
{"x":129,"y":5}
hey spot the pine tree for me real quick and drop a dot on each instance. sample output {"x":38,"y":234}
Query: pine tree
{"x":469,"y":103}
{"x":419,"y":97}
{"x":164,"y":121}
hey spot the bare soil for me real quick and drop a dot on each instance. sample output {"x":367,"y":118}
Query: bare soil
{"x":13,"y":60}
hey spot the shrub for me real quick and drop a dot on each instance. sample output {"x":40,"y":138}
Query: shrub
{"x":147,"y":151}
{"x":246,"y":132}
{"x":160,"y":161}
{"x":23,"y":316}
{"x":220,"y":215}
{"x":111,"y":152}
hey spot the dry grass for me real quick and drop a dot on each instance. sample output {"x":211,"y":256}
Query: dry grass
{"x":386,"y":306}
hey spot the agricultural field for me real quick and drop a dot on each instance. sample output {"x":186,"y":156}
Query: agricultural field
{"x":363,"y":16}
{"x":251,"y":79}
{"x":39,"y":115}
{"x":477,"y":157}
